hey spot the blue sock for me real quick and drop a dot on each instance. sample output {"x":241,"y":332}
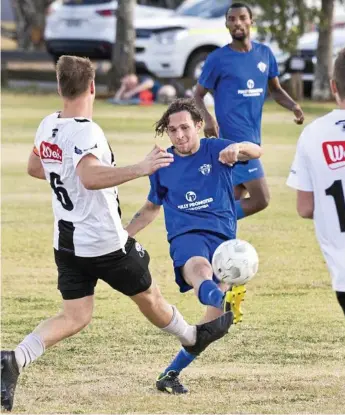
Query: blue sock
{"x":210,"y":294}
{"x":181,"y":360}
{"x":239,"y":210}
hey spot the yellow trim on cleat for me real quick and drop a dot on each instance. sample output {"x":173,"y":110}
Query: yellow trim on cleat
{"x":234,"y":298}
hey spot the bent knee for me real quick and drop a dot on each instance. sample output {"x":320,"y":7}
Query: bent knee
{"x":78,"y":322}
{"x":197,"y":269}
{"x":150,"y":297}
{"x":260,"y":200}
{"x":264,"y":201}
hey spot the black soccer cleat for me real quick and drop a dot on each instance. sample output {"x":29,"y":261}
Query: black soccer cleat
{"x":9,"y":377}
{"x":170,"y":383}
{"x":209,"y":332}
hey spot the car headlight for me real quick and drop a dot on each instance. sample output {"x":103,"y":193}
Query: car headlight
{"x":170,"y":36}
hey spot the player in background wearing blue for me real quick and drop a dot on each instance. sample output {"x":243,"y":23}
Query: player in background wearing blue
{"x":238,"y":74}
{"x":197,"y":195}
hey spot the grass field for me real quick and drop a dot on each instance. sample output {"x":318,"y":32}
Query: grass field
{"x":288,"y":355}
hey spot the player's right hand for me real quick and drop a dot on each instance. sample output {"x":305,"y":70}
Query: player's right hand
{"x":211,"y":128}
{"x":155,"y":160}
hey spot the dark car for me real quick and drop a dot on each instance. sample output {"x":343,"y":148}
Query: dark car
{"x":304,"y":59}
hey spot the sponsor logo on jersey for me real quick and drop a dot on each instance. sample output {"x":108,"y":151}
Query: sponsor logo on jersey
{"x":262,"y":66}
{"x":205,"y":169}
{"x":251,"y":91}
{"x":250,"y":84}
{"x":191,"y":196}
{"x":334,"y":153}
{"x":193,"y":204}
{"x":50,"y":153}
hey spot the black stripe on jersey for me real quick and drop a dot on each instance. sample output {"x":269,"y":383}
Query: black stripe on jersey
{"x":117,"y":196}
{"x":341,"y":122}
{"x":112,"y":155}
{"x":118,"y":205}
{"x":81,"y":120}
{"x":66,"y":231}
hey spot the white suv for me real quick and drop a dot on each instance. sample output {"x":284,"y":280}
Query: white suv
{"x":177,"y":45}
{"x":87,"y":27}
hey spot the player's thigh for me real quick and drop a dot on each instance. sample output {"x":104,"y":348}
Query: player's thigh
{"x":196,"y":270}
{"x":183,"y":248}
{"x":192,"y":256}
{"x":126,"y":271}
{"x":75,"y":278}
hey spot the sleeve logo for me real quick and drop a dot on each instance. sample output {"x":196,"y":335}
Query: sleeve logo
{"x":81,"y":151}
{"x":50,"y":153}
{"x":334,"y":153}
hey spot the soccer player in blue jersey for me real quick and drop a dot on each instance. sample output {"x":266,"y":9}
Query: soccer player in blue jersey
{"x":197,"y":195}
{"x":238,"y":74}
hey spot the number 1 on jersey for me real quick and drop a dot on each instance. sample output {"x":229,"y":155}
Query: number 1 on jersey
{"x":336,"y":191}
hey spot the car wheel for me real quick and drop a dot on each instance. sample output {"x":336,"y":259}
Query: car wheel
{"x":196,"y":63}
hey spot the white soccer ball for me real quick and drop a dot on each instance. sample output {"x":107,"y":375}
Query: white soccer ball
{"x":235,"y":262}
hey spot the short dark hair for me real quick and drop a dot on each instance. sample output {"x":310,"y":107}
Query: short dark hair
{"x":179,"y":105}
{"x":339,"y":73}
{"x":238,"y":6}
{"x":74,"y":75}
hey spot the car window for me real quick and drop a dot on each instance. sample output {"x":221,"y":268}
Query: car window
{"x":84,"y":2}
{"x":208,"y":9}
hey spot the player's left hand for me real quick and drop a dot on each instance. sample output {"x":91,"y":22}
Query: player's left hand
{"x":299,"y":116}
{"x":229,"y":155}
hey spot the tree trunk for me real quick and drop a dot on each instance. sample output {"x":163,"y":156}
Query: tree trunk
{"x":30,"y":22}
{"x":321,"y":90}
{"x":123,"y":58}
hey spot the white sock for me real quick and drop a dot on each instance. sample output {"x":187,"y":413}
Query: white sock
{"x":29,"y":350}
{"x":181,"y":329}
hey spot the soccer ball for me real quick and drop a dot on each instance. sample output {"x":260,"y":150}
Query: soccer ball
{"x":235,"y":262}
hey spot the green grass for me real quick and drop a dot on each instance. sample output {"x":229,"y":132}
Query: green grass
{"x":286,"y":357}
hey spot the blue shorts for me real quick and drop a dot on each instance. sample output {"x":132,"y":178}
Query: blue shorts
{"x":245,"y":172}
{"x":187,"y":245}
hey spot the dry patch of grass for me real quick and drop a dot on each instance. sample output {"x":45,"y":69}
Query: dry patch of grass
{"x":286,"y":357}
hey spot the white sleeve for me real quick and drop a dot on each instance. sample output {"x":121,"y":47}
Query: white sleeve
{"x":89,"y":140}
{"x":38,"y":139}
{"x":299,"y":177}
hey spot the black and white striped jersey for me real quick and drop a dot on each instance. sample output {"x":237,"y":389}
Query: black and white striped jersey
{"x":87,"y":222}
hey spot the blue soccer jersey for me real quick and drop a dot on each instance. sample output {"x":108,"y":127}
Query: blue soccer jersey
{"x":196,"y":192}
{"x":239,"y":81}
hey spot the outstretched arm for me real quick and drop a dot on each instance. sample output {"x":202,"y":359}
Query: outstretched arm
{"x":284,"y":99}
{"x":94,"y":175}
{"x":240,"y":152}
{"x":142,"y":218}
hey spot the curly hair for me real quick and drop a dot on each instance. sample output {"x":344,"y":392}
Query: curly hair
{"x":179,"y":105}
